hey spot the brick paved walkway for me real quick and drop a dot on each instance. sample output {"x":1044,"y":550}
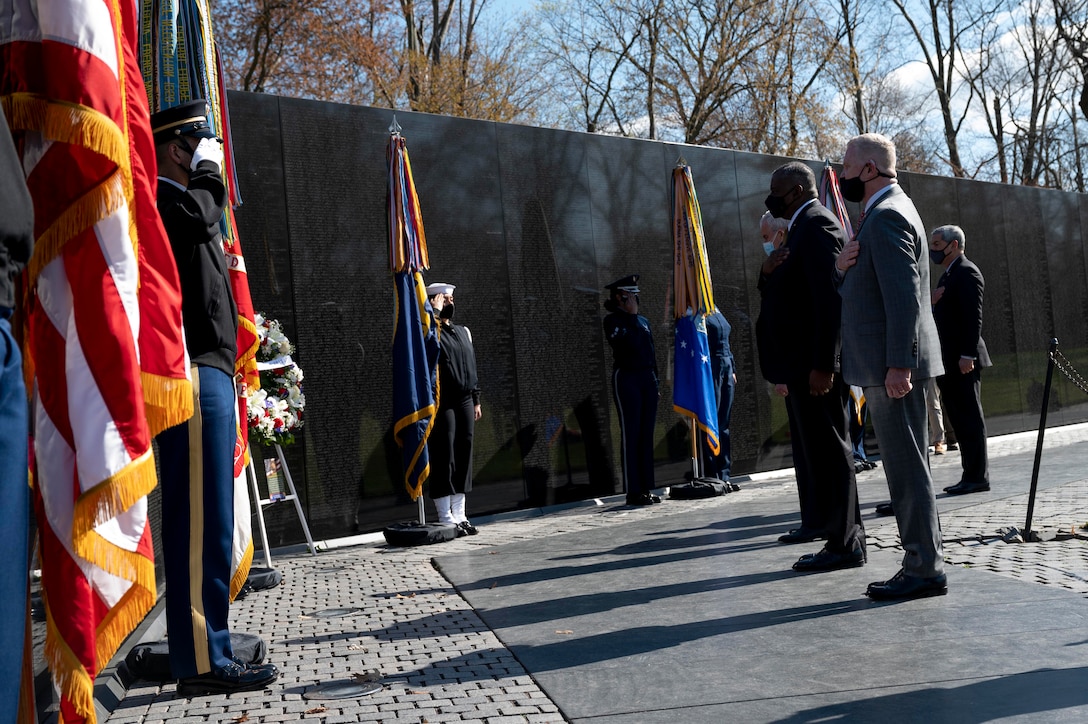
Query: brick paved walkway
{"x":437,"y":661}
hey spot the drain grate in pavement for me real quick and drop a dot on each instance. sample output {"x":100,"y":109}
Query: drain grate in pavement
{"x":342,"y":690}
{"x":333,"y":612}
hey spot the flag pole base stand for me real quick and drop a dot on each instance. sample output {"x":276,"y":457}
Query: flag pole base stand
{"x":259,"y":579}
{"x":150,"y":660}
{"x":699,"y":488}
{"x":414,"y":533}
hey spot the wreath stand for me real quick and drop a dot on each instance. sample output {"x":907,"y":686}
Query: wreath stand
{"x":276,"y":494}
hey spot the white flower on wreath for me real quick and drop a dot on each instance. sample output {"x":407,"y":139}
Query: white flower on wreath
{"x":274,"y":411}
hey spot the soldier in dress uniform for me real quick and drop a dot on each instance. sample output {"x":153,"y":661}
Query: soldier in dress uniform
{"x":197,"y":456}
{"x":450,"y":443}
{"x":634,"y":387}
{"x":16,"y":246}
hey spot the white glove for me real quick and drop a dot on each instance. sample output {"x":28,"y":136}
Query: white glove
{"x":209,"y":149}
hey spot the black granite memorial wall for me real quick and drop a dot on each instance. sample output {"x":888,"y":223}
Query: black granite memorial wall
{"x":530,"y":224}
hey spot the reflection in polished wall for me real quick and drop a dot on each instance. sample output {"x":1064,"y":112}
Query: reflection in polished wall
{"x":530,"y":224}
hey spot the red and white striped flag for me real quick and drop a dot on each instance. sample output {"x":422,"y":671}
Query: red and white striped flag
{"x":104,"y":322}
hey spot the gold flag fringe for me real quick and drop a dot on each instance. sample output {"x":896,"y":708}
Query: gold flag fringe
{"x":247,"y":359}
{"x":168,"y":401}
{"x":70,"y":677}
{"x":95,"y":205}
{"x":240,"y":576}
{"x":83,"y":126}
{"x":123,"y":619}
{"x":116,"y":561}
{"x":112,"y":496}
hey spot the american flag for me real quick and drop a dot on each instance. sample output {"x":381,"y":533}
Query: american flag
{"x":104,"y":338}
{"x":831,"y":197}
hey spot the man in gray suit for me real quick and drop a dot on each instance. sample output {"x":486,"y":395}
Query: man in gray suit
{"x":890,"y":348}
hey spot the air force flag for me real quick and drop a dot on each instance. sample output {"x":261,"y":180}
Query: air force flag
{"x":693,"y":387}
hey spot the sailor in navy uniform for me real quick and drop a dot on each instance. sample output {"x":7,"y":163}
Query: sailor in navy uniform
{"x":634,"y":387}
{"x":450,"y":444}
{"x":197,"y":456}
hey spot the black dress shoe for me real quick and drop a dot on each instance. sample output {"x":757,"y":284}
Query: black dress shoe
{"x":232,"y":677}
{"x":963,"y":488}
{"x":468,"y":528}
{"x":827,"y":560}
{"x":902,"y":586}
{"x":801,"y":535}
{"x":654,"y":498}
{"x":884,"y":509}
{"x":642,"y":499}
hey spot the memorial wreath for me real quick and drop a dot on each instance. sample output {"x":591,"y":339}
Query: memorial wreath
{"x":275,"y":410}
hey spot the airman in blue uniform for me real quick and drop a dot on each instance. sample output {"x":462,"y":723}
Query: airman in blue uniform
{"x":634,"y":387}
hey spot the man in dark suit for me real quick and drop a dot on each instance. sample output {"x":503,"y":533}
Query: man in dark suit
{"x":197,"y":456}
{"x":799,"y":324}
{"x":890,"y":348}
{"x":957,"y":310}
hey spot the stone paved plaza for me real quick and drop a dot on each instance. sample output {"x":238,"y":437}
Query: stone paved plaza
{"x":403,"y":625}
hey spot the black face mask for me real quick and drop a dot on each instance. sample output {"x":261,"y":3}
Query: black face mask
{"x":853,"y":189}
{"x":938,"y":257}
{"x":446,"y":312}
{"x":776,"y":205}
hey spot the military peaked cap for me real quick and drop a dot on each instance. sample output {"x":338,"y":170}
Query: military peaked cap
{"x":628,"y":283}
{"x":188,"y":119}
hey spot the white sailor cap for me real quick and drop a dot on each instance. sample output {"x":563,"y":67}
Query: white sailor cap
{"x":439,"y":288}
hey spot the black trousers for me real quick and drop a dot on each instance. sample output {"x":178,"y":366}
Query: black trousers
{"x":635,"y":394}
{"x":450,"y":447}
{"x":961,"y":396}
{"x":823,"y":460}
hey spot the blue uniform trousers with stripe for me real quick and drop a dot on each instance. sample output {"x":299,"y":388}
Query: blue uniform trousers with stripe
{"x":635,"y":395}
{"x":197,"y":460}
{"x":16,"y":528}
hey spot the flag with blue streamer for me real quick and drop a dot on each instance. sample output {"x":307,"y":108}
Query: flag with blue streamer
{"x":693,"y":297}
{"x":693,"y":386}
{"x":415,"y":334}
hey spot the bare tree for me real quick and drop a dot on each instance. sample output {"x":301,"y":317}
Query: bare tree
{"x":1022,"y":75}
{"x":940,"y":39}
{"x":700,"y":62}
{"x":1071,"y":17}
{"x":584,"y":45}
{"x":850,"y":14}
{"x":434,"y":58}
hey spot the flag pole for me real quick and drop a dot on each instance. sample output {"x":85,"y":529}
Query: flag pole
{"x":693,"y":388}
{"x":696,"y":473}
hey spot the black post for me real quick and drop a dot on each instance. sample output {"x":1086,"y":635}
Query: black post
{"x":1039,"y":441}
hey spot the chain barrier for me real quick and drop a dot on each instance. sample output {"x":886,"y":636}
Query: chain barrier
{"x":1066,"y":368}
